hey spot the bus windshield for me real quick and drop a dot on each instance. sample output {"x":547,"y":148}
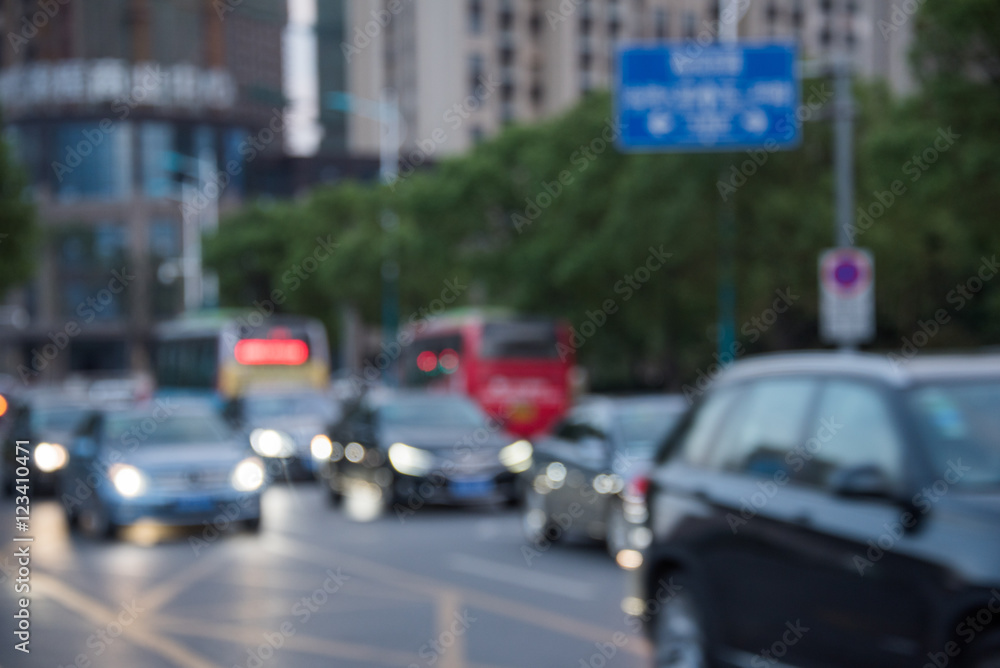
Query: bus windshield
{"x":519,"y":340}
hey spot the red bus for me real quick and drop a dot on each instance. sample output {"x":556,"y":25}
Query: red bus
{"x":518,"y":368}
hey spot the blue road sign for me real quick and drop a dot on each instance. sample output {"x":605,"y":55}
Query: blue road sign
{"x":682,"y":96}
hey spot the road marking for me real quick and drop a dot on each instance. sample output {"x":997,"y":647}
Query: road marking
{"x":241,"y":634}
{"x":166,"y":591}
{"x":295,"y":549}
{"x":448,"y":612}
{"x":521,"y":577}
{"x":99,"y":614}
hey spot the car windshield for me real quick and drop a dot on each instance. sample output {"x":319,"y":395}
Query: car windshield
{"x":432,"y":412}
{"x":63,"y":418}
{"x":960,"y":421}
{"x":153,"y":429}
{"x":644,"y":426}
{"x":281,"y":405}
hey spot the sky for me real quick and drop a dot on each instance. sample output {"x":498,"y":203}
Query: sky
{"x":300,"y":73}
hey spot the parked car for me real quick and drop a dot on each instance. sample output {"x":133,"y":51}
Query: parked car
{"x":830,"y":509}
{"x":46,"y":420}
{"x":579,"y":480}
{"x":287,"y":428}
{"x":424,"y":448}
{"x":175,"y":462}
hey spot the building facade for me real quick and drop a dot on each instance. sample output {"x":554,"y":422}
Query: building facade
{"x":137,"y":121}
{"x":464,"y":68}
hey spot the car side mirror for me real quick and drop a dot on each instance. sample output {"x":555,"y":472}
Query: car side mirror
{"x":862,"y":482}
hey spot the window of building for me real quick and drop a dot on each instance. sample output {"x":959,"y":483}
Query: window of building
{"x":91,"y":162}
{"x":797,"y":14}
{"x":475,"y":17}
{"x":661,"y":22}
{"x":156,"y":143}
{"x":690,"y":22}
{"x":476,"y":67}
{"x":86,"y":257}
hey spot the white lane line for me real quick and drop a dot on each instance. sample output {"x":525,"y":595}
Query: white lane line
{"x":521,"y":577}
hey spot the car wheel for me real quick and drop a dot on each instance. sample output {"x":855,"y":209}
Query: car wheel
{"x":535,"y":520}
{"x":96,"y":522}
{"x":616,"y":529}
{"x":252,"y":525}
{"x":333,"y":496}
{"x":679,"y":631}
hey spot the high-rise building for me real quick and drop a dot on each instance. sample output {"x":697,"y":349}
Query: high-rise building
{"x":462,"y":69}
{"x":136,"y":121}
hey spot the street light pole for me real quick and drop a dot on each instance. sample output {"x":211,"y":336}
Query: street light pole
{"x":386,"y":112}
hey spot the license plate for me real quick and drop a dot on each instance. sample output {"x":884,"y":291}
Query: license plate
{"x":195,"y":504}
{"x":469,"y":488}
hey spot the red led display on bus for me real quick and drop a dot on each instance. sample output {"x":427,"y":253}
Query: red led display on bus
{"x":271,"y":351}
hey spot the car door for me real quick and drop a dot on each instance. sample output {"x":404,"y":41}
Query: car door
{"x":744,"y":552}
{"x":858,"y":583}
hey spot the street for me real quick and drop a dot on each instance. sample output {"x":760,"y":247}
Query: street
{"x":443,"y":587}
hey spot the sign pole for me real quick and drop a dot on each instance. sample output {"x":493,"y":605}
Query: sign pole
{"x":843,"y":149}
{"x":726,"y":326}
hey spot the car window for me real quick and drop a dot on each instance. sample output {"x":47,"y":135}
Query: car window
{"x":853,"y":426}
{"x":581,"y":423}
{"x":694,"y":440}
{"x":765,"y":426}
{"x":960,"y":426}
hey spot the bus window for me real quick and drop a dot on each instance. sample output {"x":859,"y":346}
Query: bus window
{"x":519,"y":340}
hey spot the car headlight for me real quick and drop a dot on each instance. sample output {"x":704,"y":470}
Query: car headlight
{"x":128,"y":480}
{"x":50,"y":457}
{"x":248,"y":475}
{"x":517,"y":456}
{"x":409,"y":460}
{"x":605,"y":483}
{"x":272,"y":443}
{"x":321,"y":447}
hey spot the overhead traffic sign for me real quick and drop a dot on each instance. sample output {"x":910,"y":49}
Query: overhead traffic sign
{"x":681,"y":96}
{"x":847,"y":296}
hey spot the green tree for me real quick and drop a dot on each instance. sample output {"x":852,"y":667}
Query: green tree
{"x":18,"y":233}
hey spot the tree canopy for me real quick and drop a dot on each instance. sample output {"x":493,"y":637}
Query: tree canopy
{"x":551,"y":219}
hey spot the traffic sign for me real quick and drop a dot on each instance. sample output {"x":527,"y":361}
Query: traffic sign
{"x":681,"y":96}
{"x":847,"y":295}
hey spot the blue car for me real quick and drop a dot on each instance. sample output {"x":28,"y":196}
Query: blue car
{"x":169,"y":461}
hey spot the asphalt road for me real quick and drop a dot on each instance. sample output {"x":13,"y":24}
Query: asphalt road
{"x":443,"y":588}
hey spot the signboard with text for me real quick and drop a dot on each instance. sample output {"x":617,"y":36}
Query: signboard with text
{"x":682,"y":96}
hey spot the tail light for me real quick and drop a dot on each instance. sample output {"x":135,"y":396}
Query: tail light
{"x":637,"y":488}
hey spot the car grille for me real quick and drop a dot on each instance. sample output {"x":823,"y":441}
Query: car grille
{"x":189,"y":480}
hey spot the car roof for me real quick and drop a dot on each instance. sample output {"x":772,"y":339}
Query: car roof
{"x":891,"y":369}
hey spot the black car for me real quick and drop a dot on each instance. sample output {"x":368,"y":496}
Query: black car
{"x":424,"y":448}
{"x":286,"y":427}
{"x":46,"y":420}
{"x":830,"y":509}
{"x":577,"y":483}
